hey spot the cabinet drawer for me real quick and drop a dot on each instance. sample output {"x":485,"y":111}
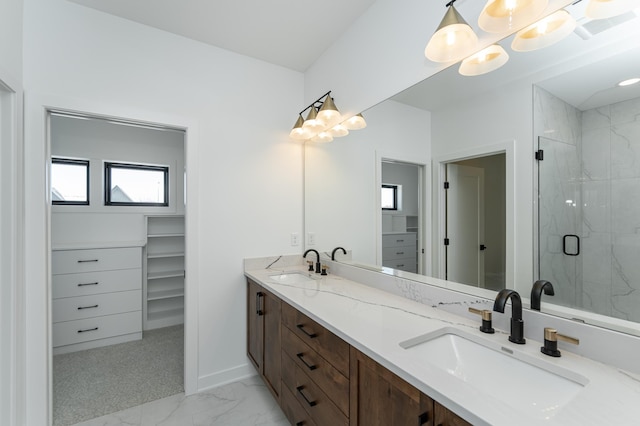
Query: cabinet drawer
{"x":399,"y":240}
{"x":313,"y":400}
{"x":327,"y":377}
{"x":403,"y":252}
{"x":328,"y":345}
{"x":408,"y":265}
{"x":83,"y":284}
{"x":75,"y":261}
{"x":293,"y":410}
{"x":70,"y":332}
{"x":74,"y":308}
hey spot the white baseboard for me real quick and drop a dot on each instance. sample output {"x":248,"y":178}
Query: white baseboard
{"x":224,"y":377}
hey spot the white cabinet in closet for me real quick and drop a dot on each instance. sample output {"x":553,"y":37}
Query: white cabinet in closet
{"x":399,"y":251}
{"x":96,"y":297}
{"x":164,"y":269}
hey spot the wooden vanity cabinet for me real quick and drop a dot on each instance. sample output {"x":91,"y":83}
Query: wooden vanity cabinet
{"x":264,"y":335}
{"x":319,"y":379}
{"x":380,"y":398}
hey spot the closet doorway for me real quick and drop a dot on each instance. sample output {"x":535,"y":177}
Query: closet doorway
{"x":118,"y":262}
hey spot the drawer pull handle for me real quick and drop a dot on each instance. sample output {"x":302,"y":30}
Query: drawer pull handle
{"x":84,"y":284}
{"x":399,"y":241}
{"x":87,"y":261}
{"x":300,"y":423}
{"x":311,"y":335}
{"x":400,"y":266}
{"x":87,"y":307}
{"x":309,"y":366}
{"x":259,"y":310}
{"x":400,"y":252}
{"x":423,"y":419}
{"x":311,"y":403}
{"x":88,"y":329}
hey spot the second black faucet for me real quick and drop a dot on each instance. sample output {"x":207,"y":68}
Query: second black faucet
{"x":517,"y":325}
{"x":318,"y":266}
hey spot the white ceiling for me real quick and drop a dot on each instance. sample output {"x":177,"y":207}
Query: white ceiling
{"x":290,"y":33}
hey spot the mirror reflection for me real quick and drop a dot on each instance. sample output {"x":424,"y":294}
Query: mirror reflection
{"x":450,"y":122}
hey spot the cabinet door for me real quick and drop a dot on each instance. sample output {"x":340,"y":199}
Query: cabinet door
{"x":271,"y":368}
{"x":380,"y":398}
{"x":445,"y":417}
{"x":255,"y":324}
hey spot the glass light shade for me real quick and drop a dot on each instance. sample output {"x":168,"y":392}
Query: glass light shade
{"x":503,"y":15}
{"x":453,"y":40}
{"x":338,"y":131}
{"x":329,"y":113}
{"x":298,"y":132}
{"x":601,"y":9}
{"x":356,"y":122}
{"x":545,"y":32}
{"x":487,"y":60}
{"x":312,"y":124}
{"x":322,"y":137}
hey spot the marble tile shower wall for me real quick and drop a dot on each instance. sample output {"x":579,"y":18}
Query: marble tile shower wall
{"x":597,"y":165}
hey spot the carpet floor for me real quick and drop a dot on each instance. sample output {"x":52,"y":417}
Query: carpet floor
{"x":95,"y":382}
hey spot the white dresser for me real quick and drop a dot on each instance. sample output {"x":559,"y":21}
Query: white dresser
{"x":96,"y":297}
{"x":400,"y":251}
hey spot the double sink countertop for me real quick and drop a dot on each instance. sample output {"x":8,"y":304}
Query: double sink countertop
{"x":482,"y":389}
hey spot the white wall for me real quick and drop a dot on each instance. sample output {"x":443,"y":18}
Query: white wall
{"x":11,"y":313}
{"x":239,"y":160}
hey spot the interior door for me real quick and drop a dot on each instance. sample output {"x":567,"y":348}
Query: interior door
{"x":465,"y":224}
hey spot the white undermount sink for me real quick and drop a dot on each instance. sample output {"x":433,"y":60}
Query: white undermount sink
{"x":520,"y":381}
{"x":291,"y":278}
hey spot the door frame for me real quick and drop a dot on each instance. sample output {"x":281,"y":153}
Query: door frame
{"x":424,"y":214}
{"x":38,"y":351}
{"x":439,"y":222}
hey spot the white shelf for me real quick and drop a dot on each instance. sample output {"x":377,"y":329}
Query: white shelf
{"x":164,"y":274}
{"x":165,"y":294}
{"x":162,"y":255}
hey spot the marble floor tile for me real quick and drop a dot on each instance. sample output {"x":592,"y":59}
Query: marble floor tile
{"x":246,"y":402}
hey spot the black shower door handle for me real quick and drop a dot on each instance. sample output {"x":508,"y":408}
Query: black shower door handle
{"x":564,"y":244}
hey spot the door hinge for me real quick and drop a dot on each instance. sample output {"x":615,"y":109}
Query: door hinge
{"x":539,"y":155}
{"x":446,"y":241}
{"x":446,"y":185}
{"x":422,"y":251}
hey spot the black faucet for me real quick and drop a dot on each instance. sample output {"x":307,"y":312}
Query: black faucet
{"x":517,"y":325}
{"x":318,"y":266}
{"x":333,"y":253}
{"x":536,"y":293}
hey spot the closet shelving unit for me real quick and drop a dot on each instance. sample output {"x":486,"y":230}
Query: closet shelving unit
{"x":164,"y":272}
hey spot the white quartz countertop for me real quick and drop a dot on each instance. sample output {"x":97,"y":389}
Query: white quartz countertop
{"x":375,"y":322}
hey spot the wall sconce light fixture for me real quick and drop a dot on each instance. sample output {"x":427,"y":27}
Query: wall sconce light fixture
{"x":545,"y":32}
{"x":453,"y":40}
{"x":499,"y":16}
{"x":324,"y":122}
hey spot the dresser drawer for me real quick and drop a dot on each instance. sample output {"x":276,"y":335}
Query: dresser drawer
{"x":70,"y":332}
{"x":313,"y":400}
{"x":326,"y":376}
{"x":73,"y":308}
{"x":76,"y":261}
{"x":328,"y":345}
{"x":408,"y":265}
{"x":293,"y":410}
{"x":83,"y":284}
{"x":402,"y":252}
{"x":399,"y":240}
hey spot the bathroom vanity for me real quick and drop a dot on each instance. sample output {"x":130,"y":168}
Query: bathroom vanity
{"x":335,"y":351}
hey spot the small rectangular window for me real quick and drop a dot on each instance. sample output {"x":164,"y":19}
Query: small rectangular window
{"x":136,"y":185}
{"x":69,"y":181}
{"x":389,"y":197}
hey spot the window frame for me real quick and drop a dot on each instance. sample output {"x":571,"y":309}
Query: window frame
{"x":87,"y":164}
{"x":110,"y":165}
{"x":395,"y":197}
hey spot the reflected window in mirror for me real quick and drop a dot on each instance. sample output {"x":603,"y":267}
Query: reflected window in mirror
{"x":390,"y":197}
